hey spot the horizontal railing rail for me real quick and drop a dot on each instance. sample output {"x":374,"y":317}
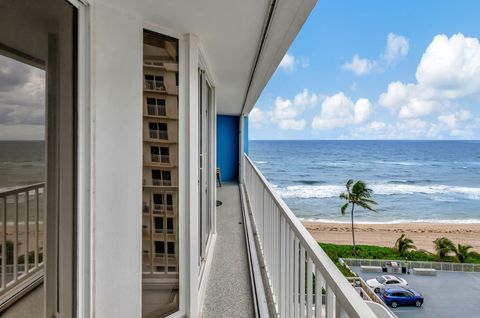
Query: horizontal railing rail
{"x":439,"y":266}
{"x":296,"y":266}
{"x":22,"y":235}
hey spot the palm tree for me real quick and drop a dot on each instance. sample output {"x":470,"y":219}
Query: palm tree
{"x":403,"y":245}
{"x":358,"y":194}
{"x":463,"y":252}
{"x":443,"y":246}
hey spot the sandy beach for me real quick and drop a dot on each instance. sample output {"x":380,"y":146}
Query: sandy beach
{"x":386,"y":234}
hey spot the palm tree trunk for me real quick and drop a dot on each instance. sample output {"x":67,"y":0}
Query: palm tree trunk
{"x":353,"y":230}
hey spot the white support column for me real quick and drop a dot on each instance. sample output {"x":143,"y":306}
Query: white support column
{"x":190,"y":147}
{"x":241,"y":177}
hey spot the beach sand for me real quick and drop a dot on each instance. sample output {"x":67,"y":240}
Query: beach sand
{"x":422,"y":234}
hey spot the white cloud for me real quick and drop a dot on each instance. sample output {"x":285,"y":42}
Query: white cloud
{"x":340,"y":111}
{"x":257,"y":117}
{"x":286,"y":113}
{"x":290,"y":62}
{"x":397,"y":46}
{"x":359,"y":66}
{"x":454,"y":119}
{"x":22,"y":100}
{"x":449,"y":70}
{"x":450,"y":67}
{"x":287,"y":63}
{"x":292,"y":124}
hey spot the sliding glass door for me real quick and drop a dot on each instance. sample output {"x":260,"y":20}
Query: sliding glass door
{"x":205,"y":169}
{"x":38,"y":63}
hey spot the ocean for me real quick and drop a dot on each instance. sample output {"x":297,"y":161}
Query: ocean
{"x":413,"y":181}
{"x":21,"y":163}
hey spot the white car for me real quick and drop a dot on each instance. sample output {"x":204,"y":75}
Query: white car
{"x":386,"y":281}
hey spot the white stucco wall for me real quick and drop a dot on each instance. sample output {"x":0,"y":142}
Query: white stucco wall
{"x":117,"y":162}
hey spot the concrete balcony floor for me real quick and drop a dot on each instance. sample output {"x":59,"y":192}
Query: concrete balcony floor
{"x":229,"y":292}
{"x":31,"y":305}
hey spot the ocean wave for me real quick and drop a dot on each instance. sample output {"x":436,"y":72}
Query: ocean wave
{"x":399,"y":163}
{"x":399,"y":221}
{"x":309,"y":182}
{"x":328,"y":191}
{"x":261,"y":162}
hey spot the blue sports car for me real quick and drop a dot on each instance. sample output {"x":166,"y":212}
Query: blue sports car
{"x":399,"y":296}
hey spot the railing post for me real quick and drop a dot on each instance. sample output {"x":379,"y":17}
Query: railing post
{"x":302,"y":281}
{"x":309,"y":286}
{"x":296,"y":278}
{"x":15,"y":241}
{"x":4,"y":242}
{"x":37,"y":217}
{"x":329,"y":303}
{"x":318,"y":294}
{"x":283,"y":265}
{"x":27,"y":230}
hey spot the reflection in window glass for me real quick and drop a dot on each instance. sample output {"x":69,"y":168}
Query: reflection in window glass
{"x":22,"y":162}
{"x":160,"y":172}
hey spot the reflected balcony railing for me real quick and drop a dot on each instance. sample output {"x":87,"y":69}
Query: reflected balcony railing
{"x":160,"y":158}
{"x":156,"y":110}
{"x":161,"y":183}
{"x":159,"y":134}
{"x":22,"y":237}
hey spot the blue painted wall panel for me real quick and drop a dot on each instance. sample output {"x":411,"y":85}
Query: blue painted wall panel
{"x":245,"y":135}
{"x":227,"y":146}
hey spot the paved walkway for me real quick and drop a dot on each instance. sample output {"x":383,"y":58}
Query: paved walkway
{"x":229,"y":290}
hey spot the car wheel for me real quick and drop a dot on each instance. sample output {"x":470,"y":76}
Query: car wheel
{"x":394,"y":304}
{"x":377,"y":290}
{"x":418,"y":303}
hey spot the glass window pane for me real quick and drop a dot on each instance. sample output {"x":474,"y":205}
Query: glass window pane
{"x":160,"y":269}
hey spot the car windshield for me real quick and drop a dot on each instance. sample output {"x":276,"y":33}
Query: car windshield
{"x":381,"y":280}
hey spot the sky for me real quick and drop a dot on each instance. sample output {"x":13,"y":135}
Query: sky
{"x":22,"y":101}
{"x":377,"y":69}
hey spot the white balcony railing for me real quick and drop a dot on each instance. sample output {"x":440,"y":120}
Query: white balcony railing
{"x":294,"y":262}
{"x":21,"y":238}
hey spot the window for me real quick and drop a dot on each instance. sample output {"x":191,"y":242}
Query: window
{"x":158,"y":131}
{"x":158,"y":225}
{"x":167,"y":178}
{"x":38,"y":55}
{"x":154,"y":82}
{"x":169,"y":225}
{"x":156,"y":107}
{"x":160,"y":293}
{"x":158,"y":202}
{"x":171,"y":248}
{"x":159,"y":248}
{"x":169,"y":202}
{"x":165,"y":155}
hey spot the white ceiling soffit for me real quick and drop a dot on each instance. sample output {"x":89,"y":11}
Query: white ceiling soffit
{"x":230,"y":32}
{"x":288,"y":19}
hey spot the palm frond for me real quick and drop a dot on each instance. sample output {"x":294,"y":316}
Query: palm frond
{"x":344,"y":208}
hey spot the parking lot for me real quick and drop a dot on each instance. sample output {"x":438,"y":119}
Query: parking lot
{"x":447,"y":295}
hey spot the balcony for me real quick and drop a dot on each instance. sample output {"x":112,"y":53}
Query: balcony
{"x":21,"y":250}
{"x":261,"y":255}
{"x":272,"y":266}
{"x":292,"y":266}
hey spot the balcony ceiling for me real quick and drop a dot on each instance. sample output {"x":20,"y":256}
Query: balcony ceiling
{"x":230,"y":32}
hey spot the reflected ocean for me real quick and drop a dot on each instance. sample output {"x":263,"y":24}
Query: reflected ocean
{"x":21,"y":163}
{"x":413,"y":181}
